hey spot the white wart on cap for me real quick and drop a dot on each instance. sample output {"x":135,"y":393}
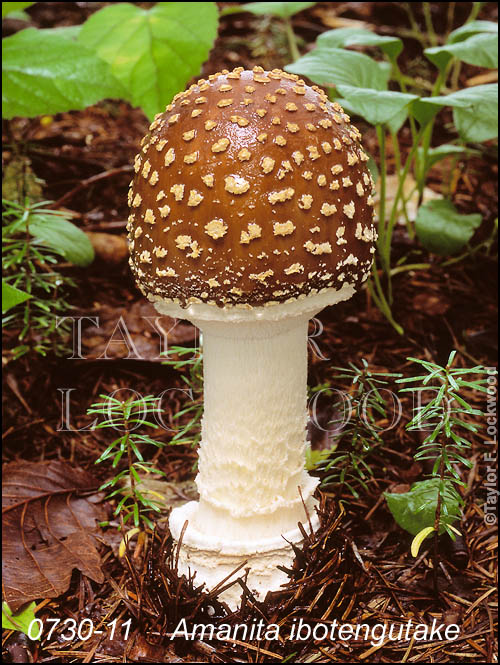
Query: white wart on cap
{"x":250,"y":189}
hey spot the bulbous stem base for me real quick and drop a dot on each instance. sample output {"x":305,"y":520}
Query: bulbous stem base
{"x":213,"y":560}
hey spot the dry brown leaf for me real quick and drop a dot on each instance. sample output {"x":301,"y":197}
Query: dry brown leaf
{"x":47,"y":530}
{"x":109,"y":247}
{"x":134,"y":332}
{"x":410,"y":192}
{"x":143,"y":651}
{"x":432,"y":304}
{"x":330,"y":19}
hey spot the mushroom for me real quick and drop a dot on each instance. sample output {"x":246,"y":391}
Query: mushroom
{"x":251,"y":211}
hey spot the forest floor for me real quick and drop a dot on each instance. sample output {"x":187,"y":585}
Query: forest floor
{"x":358,"y":566}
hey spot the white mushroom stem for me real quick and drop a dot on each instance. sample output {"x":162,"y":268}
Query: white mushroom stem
{"x":251,"y":460}
{"x":252,"y":483}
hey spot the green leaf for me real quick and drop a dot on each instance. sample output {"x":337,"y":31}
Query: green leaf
{"x":424,"y":112}
{"x":20,"y":16}
{"x":439,"y":56}
{"x":281,"y":9}
{"x":153,"y":52}
{"x":391,"y":46}
{"x":480,"y":50}
{"x":475,"y":111}
{"x":12,"y":296}
{"x":416,"y":510}
{"x":62,"y":236}
{"x":45,"y":72}
{"x":471,"y":28}
{"x":22,"y":619}
{"x":478,"y":120}
{"x":442,"y":151}
{"x":9,"y":7}
{"x":375,"y":106}
{"x":336,"y":66}
{"x":70,"y":32}
{"x":398,"y":120}
{"x":443,"y":230}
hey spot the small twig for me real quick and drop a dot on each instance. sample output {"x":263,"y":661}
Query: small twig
{"x":179,"y":545}
{"x":89,"y":181}
{"x":106,"y":225}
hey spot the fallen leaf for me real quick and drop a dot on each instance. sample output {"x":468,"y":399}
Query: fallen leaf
{"x":109,"y":247}
{"x":410,"y":192}
{"x":330,"y":19}
{"x":47,"y":530}
{"x":400,"y":488}
{"x":136,"y":331}
{"x":143,"y":650}
{"x":411,"y":474}
{"x":430,"y":304}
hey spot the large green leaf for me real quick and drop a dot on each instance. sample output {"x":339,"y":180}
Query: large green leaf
{"x":480,"y":50}
{"x":9,"y":7}
{"x":415,"y":510}
{"x":442,"y":229}
{"x":472,"y":28}
{"x":398,"y":120}
{"x":12,"y":296}
{"x":70,"y":32}
{"x":336,"y":66}
{"x":153,"y":52}
{"x":341,"y":37}
{"x":375,"y":106}
{"x":281,"y":9}
{"x":45,"y":72}
{"x":477,"y":119}
{"x":64,"y":237}
{"x":475,"y":111}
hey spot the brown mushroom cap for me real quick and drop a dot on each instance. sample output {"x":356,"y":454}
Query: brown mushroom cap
{"x":251,"y":188}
